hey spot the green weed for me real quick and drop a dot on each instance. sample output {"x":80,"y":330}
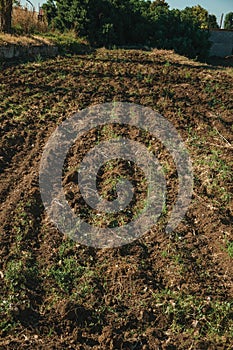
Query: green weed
{"x":188,"y":313}
{"x":66,"y":272}
{"x":230,"y":249}
{"x":20,"y":274}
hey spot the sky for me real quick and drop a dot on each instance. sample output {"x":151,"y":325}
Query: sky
{"x":215,"y":7}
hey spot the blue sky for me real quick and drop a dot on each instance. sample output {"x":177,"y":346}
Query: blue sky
{"x":216,"y":7}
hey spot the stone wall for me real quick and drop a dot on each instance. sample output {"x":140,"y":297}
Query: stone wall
{"x":222,"y":43}
{"x":16,"y":51}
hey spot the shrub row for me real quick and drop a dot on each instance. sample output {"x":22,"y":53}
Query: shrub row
{"x":127,"y":22}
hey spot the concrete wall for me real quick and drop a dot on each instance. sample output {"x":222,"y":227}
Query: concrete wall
{"x":222,"y":43}
{"x":15,"y":51}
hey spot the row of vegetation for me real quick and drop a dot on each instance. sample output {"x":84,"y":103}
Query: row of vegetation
{"x":121,"y":22}
{"x":127,"y":22}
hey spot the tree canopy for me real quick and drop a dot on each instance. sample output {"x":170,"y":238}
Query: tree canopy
{"x":123,"y":22}
{"x":201,"y":17}
{"x":161,"y":3}
{"x":228,"y":22}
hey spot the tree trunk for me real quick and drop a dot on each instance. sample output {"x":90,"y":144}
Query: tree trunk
{"x":5,"y":15}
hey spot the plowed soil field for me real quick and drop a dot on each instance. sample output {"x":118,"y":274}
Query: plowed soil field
{"x":163,"y":291}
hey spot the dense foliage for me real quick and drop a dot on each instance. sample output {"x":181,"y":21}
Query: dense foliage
{"x":201,"y":17}
{"x":126,"y":22}
{"x":228,"y":23}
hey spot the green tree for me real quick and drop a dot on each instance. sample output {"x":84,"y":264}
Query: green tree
{"x":201,"y":17}
{"x":127,"y":22}
{"x":212,"y":22}
{"x":66,"y":14}
{"x":228,"y":22}
{"x":5,"y":15}
{"x":100,"y":25}
{"x":180,"y":31}
{"x":50,"y":11}
{"x":132,"y":23}
{"x":161,"y":3}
